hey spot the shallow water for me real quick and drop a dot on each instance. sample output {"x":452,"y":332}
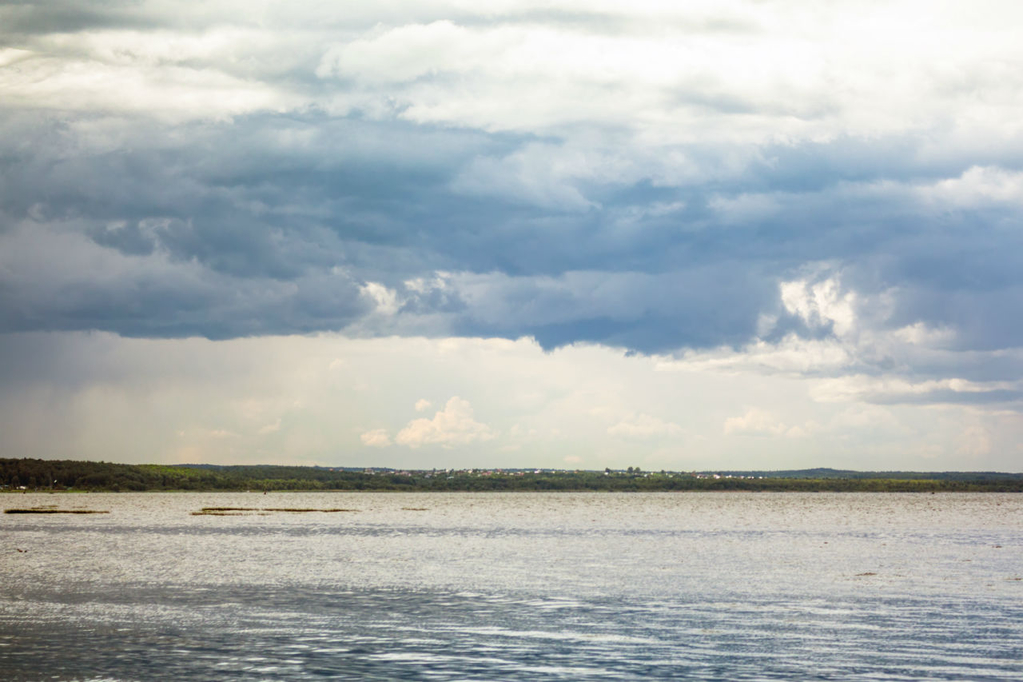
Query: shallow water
{"x":514,"y":586}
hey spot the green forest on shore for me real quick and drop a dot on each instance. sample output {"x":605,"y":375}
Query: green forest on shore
{"x":23,"y":475}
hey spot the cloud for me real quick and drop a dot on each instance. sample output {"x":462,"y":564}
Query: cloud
{"x":169,"y":396}
{"x":778,"y":80}
{"x":644,"y":426}
{"x":385,"y":300}
{"x":736,"y":187}
{"x":893,"y":390}
{"x":820,"y":303}
{"x":53,"y":278}
{"x":978,"y":186}
{"x":454,"y":425}
{"x":758,"y":422}
{"x":377,"y":438}
{"x":422,"y":405}
{"x":647,"y":312}
{"x":269,"y":428}
{"x":790,"y":354}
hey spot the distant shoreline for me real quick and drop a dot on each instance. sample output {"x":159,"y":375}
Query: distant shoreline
{"x":36,"y":475}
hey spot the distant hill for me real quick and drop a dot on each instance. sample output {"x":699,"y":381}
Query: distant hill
{"x":826,"y":473}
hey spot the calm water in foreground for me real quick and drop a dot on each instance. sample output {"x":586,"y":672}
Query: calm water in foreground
{"x":518,"y":586}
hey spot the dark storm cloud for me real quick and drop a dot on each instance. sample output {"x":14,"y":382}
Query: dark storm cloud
{"x":157,"y":221}
{"x":25,"y":17}
{"x":246,"y":204}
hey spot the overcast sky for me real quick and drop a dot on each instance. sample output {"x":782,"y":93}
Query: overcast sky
{"x":699,"y":235}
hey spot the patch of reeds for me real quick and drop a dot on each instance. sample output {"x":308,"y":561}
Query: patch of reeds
{"x":243,"y":511}
{"x":290,"y":509}
{"x":221,"y":513}
{"x":51,"y":510}
{"x":413,"y":509}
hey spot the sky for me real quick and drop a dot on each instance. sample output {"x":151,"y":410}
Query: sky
{"x":733,"y":234}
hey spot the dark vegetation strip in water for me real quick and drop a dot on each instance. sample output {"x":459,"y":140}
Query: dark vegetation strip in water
{"x":240,"y":511}
{"x":37,"y":474}
{"x":37,"y":510}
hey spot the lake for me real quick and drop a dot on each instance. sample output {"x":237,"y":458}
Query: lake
{"x":492,"y":586}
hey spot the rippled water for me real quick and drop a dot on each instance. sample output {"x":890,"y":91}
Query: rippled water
{"x":514,"y":586}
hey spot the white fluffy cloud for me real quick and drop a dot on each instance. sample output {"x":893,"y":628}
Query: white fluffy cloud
{"x":385,"y":301}
{"x":454,"y":425}
{"x":821,"y":303}
{"x":978,"y":186}
{"x":739,"y":70}
{"x":771,"y":69}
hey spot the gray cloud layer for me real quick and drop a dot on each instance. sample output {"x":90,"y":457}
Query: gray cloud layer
{"x":433,"y":171}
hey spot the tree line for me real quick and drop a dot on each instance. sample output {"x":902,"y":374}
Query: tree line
{"x":38,"y":474}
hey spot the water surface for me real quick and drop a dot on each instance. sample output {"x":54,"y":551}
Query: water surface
{"x":491,"y":586}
